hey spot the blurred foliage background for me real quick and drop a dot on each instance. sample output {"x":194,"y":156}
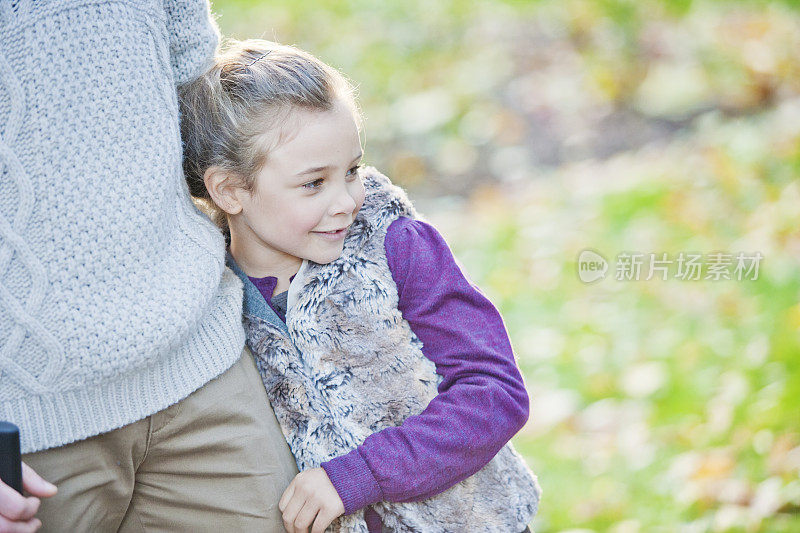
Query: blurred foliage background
{"x":529,"y":131}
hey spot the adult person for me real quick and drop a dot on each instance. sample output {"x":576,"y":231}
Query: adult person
{"x":122,"y":354}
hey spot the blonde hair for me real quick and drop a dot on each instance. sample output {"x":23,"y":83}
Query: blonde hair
{"x":248,"y":91}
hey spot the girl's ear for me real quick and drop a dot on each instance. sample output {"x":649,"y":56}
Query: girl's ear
{"x":223,"y":187}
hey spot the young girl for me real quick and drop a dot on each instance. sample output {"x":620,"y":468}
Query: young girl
{"x":391,"y":375}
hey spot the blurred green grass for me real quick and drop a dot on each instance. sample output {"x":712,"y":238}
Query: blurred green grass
{"x":529,"y":131}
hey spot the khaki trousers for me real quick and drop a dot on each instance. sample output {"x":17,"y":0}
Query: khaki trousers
{"x":215,"y":461}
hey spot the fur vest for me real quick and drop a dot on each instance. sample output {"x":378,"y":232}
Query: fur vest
{"x":346,"y":365}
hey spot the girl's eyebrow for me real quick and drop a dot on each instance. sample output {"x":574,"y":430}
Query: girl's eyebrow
{"x":326,"y":167}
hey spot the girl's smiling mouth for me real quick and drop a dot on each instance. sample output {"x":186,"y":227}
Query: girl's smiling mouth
{"x":333,"y":234}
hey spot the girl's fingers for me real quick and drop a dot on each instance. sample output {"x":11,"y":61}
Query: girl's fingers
{"x":323,"y":520}
{"x":305,"y":517}
{"x":7,"y":526}
{"x":287,"y":495}
{"x":290,"y":512}
{"x":35,"y":484}
{"x":14,"y":506}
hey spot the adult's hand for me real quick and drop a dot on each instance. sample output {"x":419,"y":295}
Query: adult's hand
{"x":17,"y":511}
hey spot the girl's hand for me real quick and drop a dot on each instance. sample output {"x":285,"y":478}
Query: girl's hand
{"x":310,"y":498}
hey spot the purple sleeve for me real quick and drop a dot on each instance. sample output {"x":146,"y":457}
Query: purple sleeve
{"x":482,"y":401}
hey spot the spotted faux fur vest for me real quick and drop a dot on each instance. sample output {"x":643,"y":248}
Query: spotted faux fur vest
{"x":346,"y":364}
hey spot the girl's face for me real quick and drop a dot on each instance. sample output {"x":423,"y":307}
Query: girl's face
{"x":306,"y":195}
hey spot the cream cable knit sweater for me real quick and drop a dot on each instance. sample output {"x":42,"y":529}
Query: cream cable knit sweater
{"x":114,"y":299}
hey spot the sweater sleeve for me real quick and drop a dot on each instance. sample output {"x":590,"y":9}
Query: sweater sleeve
{"x":481,"y":401}
{"x":193,"y":37}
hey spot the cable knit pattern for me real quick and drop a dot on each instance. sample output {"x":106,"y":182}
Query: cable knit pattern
{"x":114,"y":299}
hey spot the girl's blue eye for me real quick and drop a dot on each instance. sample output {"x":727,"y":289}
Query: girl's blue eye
{"x":317,"y":183}
{"x":313,"y":184}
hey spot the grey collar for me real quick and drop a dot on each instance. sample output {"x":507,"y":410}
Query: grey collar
{"x":254,"y":303}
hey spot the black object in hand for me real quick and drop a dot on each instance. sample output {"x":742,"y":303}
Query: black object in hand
{"x":10,"y":458}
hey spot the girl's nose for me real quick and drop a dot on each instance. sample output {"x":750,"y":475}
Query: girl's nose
{"x":345,"y":203}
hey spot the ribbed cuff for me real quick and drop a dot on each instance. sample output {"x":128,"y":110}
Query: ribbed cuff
{"x":354,"y":481}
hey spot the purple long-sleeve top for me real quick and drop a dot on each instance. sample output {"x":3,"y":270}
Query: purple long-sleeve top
{"x":481,"y":401}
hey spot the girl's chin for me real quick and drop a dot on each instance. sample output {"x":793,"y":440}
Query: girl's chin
{"x":324,"y":259}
